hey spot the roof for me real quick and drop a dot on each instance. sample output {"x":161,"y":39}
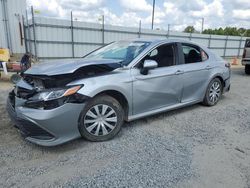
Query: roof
{"x":159,"y":40}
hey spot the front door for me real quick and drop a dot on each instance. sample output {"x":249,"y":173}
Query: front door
{"x":162,"y":86}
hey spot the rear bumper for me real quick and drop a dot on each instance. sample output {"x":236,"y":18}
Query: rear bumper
{"x":46,"y":127}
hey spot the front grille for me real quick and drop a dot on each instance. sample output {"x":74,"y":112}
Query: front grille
{"x":27,"y":128}
{"x":30,"y":129}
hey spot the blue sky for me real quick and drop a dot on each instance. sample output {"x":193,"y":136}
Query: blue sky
{"x":177,"y":13}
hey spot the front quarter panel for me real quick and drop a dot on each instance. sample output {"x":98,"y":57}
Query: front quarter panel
{"x":118,"y":80}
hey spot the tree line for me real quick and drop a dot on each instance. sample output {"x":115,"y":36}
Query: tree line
{"x":233,"y":31}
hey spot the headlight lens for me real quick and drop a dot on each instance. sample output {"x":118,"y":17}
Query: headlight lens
{"x":55,"y":94}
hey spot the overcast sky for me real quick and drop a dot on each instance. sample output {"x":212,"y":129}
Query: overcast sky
{"x":177,"y":13}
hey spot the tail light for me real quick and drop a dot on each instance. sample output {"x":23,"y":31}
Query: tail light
{"x":244,"y":53}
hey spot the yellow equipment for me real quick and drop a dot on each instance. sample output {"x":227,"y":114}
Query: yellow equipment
{"x":4,"y":54}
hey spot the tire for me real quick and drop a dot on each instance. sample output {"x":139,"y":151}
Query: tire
{"x":247,"y":69}
{"x":101,"y":119}
{"x":212,"y":94}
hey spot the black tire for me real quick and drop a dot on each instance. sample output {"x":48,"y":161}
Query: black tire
{"x":99,"y":101}
{"x":208,"y":100}
{"x":247,"y":69}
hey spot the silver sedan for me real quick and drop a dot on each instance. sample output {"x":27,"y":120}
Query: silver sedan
{"x":91,"y":97}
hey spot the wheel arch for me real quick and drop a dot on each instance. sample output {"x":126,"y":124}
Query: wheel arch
{"x":220,"y":78}
{"x":119,"y":97}
{"x":213,"y":77}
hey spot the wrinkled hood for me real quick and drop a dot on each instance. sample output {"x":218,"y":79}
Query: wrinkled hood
{"x":68,"y":66}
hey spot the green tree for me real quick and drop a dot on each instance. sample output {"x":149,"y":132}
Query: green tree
{"x":247,"y":33}
{"x":189,"y":29}
{"x":233,"y":31}
{"x":242,"y":31}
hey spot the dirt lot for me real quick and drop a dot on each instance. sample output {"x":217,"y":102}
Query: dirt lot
{"x":192,"y":147}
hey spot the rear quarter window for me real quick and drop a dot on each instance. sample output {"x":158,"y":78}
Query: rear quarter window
{"x":247,"y":44}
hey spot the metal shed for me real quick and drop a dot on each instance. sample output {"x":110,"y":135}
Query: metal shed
{"x":11,"y":26}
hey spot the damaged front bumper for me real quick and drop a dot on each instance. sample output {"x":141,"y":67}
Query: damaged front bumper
{"x":45,"y":127}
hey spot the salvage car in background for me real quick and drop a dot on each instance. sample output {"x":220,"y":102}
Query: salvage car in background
{"x":91,"y":97}
{"x":246,"y":57}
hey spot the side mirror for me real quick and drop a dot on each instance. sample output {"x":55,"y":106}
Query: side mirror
{"x":147,"y":65}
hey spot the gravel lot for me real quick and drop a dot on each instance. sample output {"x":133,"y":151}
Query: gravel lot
{"x":192,"y":147}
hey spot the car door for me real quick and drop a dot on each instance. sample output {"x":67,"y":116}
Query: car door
{"x":196,"y":71}
{"x":162,"y":86}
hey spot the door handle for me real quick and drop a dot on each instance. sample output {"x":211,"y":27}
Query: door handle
{"x":208,"y":67}
{"x":179,"y":72}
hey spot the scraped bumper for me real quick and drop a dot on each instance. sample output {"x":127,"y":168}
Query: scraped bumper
{"x":46,"y":127}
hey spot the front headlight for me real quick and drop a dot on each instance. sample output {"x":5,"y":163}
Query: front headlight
{"x":55,"y":94}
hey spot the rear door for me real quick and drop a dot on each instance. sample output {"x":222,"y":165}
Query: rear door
{"x":196,"y":68}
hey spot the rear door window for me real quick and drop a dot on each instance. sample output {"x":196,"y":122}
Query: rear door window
{"x":193,"y":54}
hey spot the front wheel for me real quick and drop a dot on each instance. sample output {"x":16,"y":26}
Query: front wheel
{"x":213,"y":93}
{"x":247,"y":69}
{"x":101,"y":119}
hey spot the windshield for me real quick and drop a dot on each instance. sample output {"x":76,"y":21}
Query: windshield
{"x":125,"y":51}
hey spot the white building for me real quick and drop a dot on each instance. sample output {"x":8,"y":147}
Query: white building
{"x":11,"y":25}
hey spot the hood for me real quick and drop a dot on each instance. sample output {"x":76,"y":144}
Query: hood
{"x":68,"y":66}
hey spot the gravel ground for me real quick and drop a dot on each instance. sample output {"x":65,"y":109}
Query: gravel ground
{"x":192,"y":147}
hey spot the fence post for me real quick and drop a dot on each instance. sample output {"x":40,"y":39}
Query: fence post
{"x":103,"y":29}
{"x":6,"y":25}
{"x":190,"y":36}
{"x":239,"y":47}
{"x":168,"y":30}
{"x":225,"y":47}
{"x":72,"y":35}
{"x":139,"y":32}
{"x":29,"y":35}
{"x":34,"y":32}
{"x":25,"y":35}
{"x":209,"y":41}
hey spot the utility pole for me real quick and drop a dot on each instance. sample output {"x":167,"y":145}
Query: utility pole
{"x":139,"y":32}
{"x":153,"y":14}
{"x":72,"y":34}
{"x":202,"y":24}
{"x":168,"y":29}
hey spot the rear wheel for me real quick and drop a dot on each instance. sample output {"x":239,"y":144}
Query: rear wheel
{"x":247,"y":69}
{"x":101,"y":119}
{"x":213,"y":93}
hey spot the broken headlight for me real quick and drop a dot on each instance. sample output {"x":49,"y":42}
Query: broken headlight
{"x":55,"y":94}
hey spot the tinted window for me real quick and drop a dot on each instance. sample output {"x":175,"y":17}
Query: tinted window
{"x":164,"y":55}
{"x":193,"y":54}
